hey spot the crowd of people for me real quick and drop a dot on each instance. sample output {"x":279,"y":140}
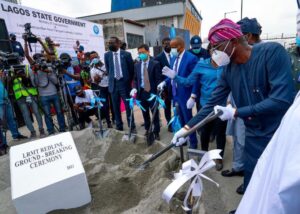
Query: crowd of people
{"x":247,"y":79}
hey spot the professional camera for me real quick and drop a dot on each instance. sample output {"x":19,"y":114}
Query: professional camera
{"x":28,"y":35}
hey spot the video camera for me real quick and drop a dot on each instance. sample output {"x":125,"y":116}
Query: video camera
{"x":10,"y":61}
{"x":28,"y":35}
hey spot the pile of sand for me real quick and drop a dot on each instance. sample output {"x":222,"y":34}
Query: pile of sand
{"x":115,"y":183}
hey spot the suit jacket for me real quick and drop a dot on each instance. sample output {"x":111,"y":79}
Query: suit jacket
{"x":127,"y":66}
{"x":187,"y":64}
{"x":154,"y":72}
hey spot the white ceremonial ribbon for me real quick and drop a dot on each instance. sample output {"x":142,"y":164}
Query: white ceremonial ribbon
{"x":191,"y":170}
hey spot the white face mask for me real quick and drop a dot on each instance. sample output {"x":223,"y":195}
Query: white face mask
{"x":174,"y":52}
{"x":221,"y":58}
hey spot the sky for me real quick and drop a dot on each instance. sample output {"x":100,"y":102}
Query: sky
{"x":275,"y":16}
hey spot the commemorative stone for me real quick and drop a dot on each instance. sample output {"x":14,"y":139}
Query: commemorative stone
{"x":47,"y":174}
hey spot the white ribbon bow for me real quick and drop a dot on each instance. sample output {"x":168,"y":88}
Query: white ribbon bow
{"x":191,"y":170}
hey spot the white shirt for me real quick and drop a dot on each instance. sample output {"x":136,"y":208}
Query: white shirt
{"x":119,"y":59}
{"x":179,"y":58}
{"x":142,"y":72}
{"x":168,"y":56}
{"x":104,"y":78}
{"x":86,"y":99}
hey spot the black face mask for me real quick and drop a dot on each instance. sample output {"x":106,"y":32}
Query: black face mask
{"x":168,"y":49}
{"x":112,"y":48}
{"x":13,"y":38}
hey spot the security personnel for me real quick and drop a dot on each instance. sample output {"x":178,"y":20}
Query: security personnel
{"x":26,"y":96}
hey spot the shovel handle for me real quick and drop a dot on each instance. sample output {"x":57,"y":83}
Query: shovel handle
{"x":212,"y":116}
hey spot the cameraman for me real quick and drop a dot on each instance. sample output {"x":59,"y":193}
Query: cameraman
{"x":100,"y":82}
{"x":71,"y":75}
{"x":26,"y":96}
{"x":16,"y":46}
{"x":7,"y":116}
{"x":46,"y":80}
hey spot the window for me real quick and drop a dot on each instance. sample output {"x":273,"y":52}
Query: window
{"x":133,"y":40}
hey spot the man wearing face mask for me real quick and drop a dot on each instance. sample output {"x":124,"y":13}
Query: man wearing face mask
{"x":16,"y":46}
{"x":196,"y":48}
{"x":164,"y":59}
{"x":251,"y":29}
{"x":236,"y":128}
{"x":120,"y":68}
{"x":182,"y":63}
{"x":147,"y":77}
{"x":260,"y":80}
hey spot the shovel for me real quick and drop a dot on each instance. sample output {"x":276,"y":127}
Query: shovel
{"x":130,"y":137}
{"x":150,"y":137}
{"x":212,"y":116}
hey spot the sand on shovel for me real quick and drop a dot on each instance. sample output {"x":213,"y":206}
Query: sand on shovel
{"x":115,"y":183}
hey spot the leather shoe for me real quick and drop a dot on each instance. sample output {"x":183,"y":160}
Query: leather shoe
{"x":156,"y":136}
{"x":232,"y":212}
{"x":231,"y":173}
{"x":240,"y":190}
{"x":170,"y":129}
{"x":219,"y":164}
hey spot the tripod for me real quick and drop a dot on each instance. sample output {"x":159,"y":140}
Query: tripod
{"x":63,"y":87}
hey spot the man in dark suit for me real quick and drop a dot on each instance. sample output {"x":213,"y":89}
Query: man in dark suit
{"x":147,"y":76}
{"x":120,"y":68}
{"x":164,"y":59}
{"x":183,"y":63}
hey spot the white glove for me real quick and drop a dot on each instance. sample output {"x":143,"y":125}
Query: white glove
{"x":168,"y":72}
{"x":133,"y":92}
{"x":161,"y":86}
{"x":190,"y":103}
{"x":228,"y":112}
{"x":177,"y":140}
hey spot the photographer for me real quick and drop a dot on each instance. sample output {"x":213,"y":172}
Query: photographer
{"x":7,"y":117}
{"x":71,"y":76}
{"x":25,"y":94}
{"x":49,"y":47}
{"x":16,"y":46}
{"x":100,"y":82}
{"x":83,"y":106}
{"x":46,"y":80}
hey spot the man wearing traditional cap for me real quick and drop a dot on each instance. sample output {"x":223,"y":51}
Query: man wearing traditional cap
{"x":236,"y":128}
{"x":251,"y":29}
{"x":260,"y":80}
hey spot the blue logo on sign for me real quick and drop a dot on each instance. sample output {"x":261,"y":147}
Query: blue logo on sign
{"x":96,"y":29}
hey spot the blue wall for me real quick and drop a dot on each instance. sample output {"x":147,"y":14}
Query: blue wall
{"x":118,"y":5}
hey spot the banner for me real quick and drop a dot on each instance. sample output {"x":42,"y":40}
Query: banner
{"x":61,"y":29}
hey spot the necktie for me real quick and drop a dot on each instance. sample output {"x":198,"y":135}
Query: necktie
{"x":173,"y":83}
{"x":146,"y":78}
{"x":117,"y":67}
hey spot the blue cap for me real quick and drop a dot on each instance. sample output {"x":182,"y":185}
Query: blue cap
{"x":250,"y":26}
{"x":196,"y":42}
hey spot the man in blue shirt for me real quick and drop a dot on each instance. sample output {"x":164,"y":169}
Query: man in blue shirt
{"x":261,"y":84}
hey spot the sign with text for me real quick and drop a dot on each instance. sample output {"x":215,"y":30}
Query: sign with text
{"x":63,"y":30}
{"x":47,"y":174}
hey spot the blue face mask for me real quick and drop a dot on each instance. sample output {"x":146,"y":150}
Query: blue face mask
{"x":88,"y":62}
{"x":174,"y":52}
{"x":143,"y":56}
{"x":196,"y":50}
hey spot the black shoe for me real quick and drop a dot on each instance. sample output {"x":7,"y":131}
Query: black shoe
{"x":232,"y":212}
{"x":170,"y":129}
{"x":240,"y":190}
{"x":20,"y":137}
{"x":156,"y":136}
{"x":143,"y":124}
{"x":120,"y":129}
{"x":133,"y":131}
{"x":146,"y":133}
{"x":231,"y":173}
{"x":109,"y":125}
{"x":219,"y":164}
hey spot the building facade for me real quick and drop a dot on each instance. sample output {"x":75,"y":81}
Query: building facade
{"x":182,"y":14}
